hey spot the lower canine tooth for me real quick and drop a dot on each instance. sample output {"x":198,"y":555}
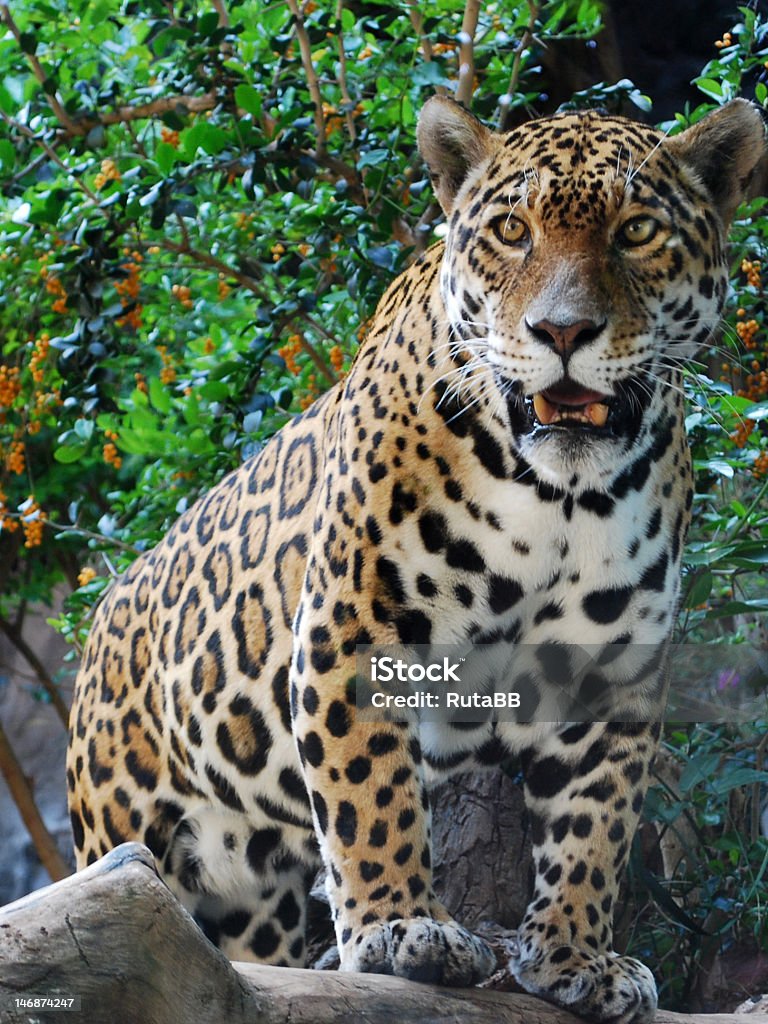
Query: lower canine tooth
{"x":545,"y":411}
{"x":597,"y":413}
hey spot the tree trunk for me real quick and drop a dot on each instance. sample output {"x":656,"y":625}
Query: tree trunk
{"x":24,"y":798}
{"x":483,"y":869}
{"x":114,"y":937}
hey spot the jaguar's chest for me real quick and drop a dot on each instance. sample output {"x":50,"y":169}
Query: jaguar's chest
{"x":540,"y":565}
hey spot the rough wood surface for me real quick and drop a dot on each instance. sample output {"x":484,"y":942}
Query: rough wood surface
{"x":483,"y":869}
{"x":115,"y":936}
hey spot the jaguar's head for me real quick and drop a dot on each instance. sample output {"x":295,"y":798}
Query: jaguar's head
{"x":584,"y":262}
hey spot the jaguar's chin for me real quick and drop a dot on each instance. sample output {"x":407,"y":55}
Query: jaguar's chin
{"x":575,"y":416}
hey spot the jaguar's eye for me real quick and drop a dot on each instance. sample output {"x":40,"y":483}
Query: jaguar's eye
{"x":638,"y":231}
{"x":510,"y":230}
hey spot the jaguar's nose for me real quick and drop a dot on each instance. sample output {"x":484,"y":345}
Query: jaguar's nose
{"x":565,"y":338}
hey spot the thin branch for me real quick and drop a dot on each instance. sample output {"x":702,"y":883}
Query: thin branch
{"x":220,"y":8}
{"x":313,"y":354}
{"x":113,"y":542}
{"x":417,"y":20}
{"x":467,"y":53}
{"x":139,"y":111}
{"x":534,"y":9}
{"x":54,"y":101}
{"x":184,"y":233}
{"x":51,"y":154}
{"x":317,"y":359}
{"x":207,"y":259}
{"x":313,"y":83}
{"x":23,"y":797}
{"x":224,"y":22}
{"x":21,"y":645}
{"x":30,"y":168}
{"x":346,"y":98}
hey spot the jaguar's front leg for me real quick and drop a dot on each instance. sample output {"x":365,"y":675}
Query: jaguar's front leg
{"x":371,"y":815}
{"x":584,"y":790}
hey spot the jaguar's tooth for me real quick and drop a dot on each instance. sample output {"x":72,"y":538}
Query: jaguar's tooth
{"x":545,"y":411}
{"x":597,"y":413}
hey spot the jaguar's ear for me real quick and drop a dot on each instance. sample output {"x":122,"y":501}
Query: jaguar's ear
{"x":723,"y":150}
{"x":452,"y":143}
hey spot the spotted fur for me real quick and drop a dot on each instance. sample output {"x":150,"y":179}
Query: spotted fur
{"x":422,"y":500}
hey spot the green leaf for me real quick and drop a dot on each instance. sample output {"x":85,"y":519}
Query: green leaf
{"x":28,"y":42}
{"x":429,"y":73}
{"x":249,"y":99}
{"x":757,"y":412}
{"x":252,"y":421}
{"x":699,"y":769}
{"x":738,"y":777}
{"x":207,"y":24}
{"x":159,"y":395}
{"x":84,"y":429}
{"x":708,"y":554}
{"x":761,"y":92}
{"x":710,"y":87}
{"x":214,"y":391}
{"x":166,"y":156}
{"x":373,"y":158}
{"x":720,"y":466}
{"x":70,"y":453}
{"x":7,"y":155}
{"x":700,"y":589}
{"x":207,"y":137}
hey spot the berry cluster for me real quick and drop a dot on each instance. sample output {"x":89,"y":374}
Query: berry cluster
{"x":746,"y":330}
{"x":15,"y":459}
{"x":128,"y":288}
{"x":741,"y":436}
{"x":170,"y":136}
{"x":32,"y":520}
{"x":109,"y":172}
{"x":312,"y":392}
{"x":337,"y":358}
{"x":39,"y":355}
{"x":85,"y":576}
{"x":183,"y":293}
{"x":109,"y":452}
{"x":7,"y":522}
{"x":54,"y":287}
{"x":752,"y":269}
{"x":10,"y":386}
{"x":289,"y":351}
{"x":168,"y":372}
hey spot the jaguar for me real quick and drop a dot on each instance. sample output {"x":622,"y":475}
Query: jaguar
{"x":505,"y":461}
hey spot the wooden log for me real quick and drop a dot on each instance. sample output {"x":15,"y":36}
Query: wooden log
{"x":114,"y":936}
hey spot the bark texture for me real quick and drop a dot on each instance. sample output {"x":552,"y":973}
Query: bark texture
{"x":115,"y":936}
{"x":482,"y":849}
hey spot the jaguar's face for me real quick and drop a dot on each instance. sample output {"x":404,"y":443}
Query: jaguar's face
{"x":584,"y":263}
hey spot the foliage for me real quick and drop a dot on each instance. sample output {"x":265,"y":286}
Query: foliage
{"x":201,"y":205}
{"x":707,"y":900}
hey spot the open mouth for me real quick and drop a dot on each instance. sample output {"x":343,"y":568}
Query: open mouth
{"x":568,"y":404}
{"x":570,"y":408}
